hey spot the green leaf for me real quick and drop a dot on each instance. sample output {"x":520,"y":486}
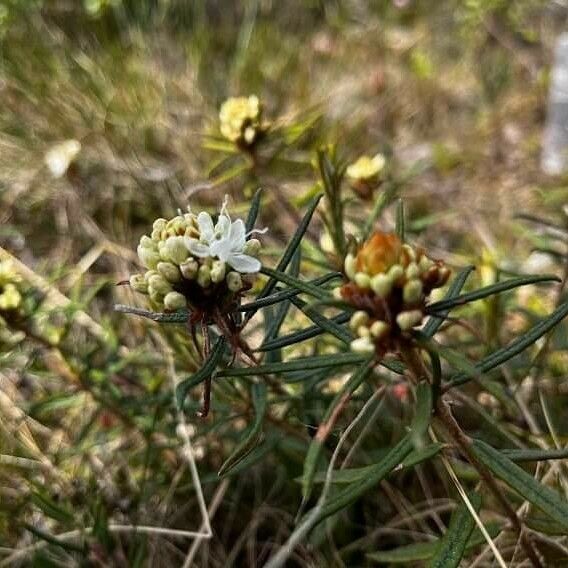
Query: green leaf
{"x":326,"y":324}
{"x":301,"y":335}
{"x":452,"y":546}
{"x":535,"y":454}
{"x":300,"y":285}
{"x":384,"y":198}
{"x":378,"y":472}
{"x":253,"y":210}
{"x":203,"y":373}
{"x":316,"y":445}
{"x":53,"y":540}
{"x":253,"y":436}
{"x":290,"y":249}
{"x":53,"y":510}
{"x":515,"y":347}
{"x":434,"y":322}
{"x":425,"y":550}
{"x":285,"y":294}
{"x":181,"y":316}
{"x":541,"y":496}
{"x":451,"y":303}
{"x":423,"y":414}
{"x":300,"y":364}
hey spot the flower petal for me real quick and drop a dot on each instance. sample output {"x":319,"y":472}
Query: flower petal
{"x":237,"y":235}
{"x":206,"y":226}
{"x":244,"y":263}
{"x":223,"y":227}
{"x":196,"y":248}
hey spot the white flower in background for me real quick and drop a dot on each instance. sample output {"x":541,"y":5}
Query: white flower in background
{"x":240,"y":118}
{"x":61,"y":156}
{"x":225,"y":240}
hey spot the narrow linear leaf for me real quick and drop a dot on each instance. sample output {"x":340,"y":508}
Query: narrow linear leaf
{"x":451,"y":303}
{"x":301,"y":335}
{"x":286,"y":294}
{"x":326,"y":324}
{"x":384,"y":198}
{"x":253,"y":210}
{"x":53,"y":540}
{"x":253,"y":436}
{"x":452,"y":546}
{"x":547,"y":500}
{"x":290,"y":249}
{"x":535,"y":455}
{"x":425,"y":550}
{"x":181,"y":316}
{"x":434,"y":322}
{"x":515,"y":347}
{"x":203,"y":373}
{"x":423,"y":414}
{"x":400,"y":225}
{"x":300,"y":364}
{"x":300,"y":285}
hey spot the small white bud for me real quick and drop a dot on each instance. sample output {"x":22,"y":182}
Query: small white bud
{"x":148,"y":274}
{"x":148,"y":257}
{"x":10,"y":298}
{"x":337,"y":293}
{"x":363,"y":331}
{"x":204,"y":276}
{"x":189,"y":268}
{"x":252,"y":247}
{"x":381,"y":285}
{"x":350,"y":266}
{"x":395,"y":273}
{"x":412,"y":291}
{"x":424,"y":263}
{"x":218,"y":271}
{"x":249,"y":134}
{"x":362,"y":345}
{"x":159,"y":224}
{"x":412,"y":271}
{"x":362,"y":280}
{"x":174,"y":301}
{"x":358,"y":319}
{"x":159,"y":284}
{"x":169,"y":271}
{"x":138,"y":283}
{"x":407,"y":320}
{"x":379,"y":329}
{"x":174,"y":250}
{"x":234,"y":281}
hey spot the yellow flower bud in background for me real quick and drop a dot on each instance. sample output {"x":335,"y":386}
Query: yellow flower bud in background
{"x":10,"y":298}
{"x":174,"y":301}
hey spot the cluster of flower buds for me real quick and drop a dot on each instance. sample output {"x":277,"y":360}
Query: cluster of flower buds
{"x":240,"y":120}
{"x":193,"y":262}
{"x":389,"y":283}
{"x":365,"y":174}
{"x":20,"y":310}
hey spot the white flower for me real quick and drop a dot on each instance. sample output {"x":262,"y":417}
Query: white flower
{"x":59,"y":157}
{"x":225,"y":240}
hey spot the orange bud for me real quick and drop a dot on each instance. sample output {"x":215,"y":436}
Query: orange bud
{"x":379,"y":253}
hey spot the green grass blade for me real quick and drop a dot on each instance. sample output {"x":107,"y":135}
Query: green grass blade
{"x":181,"y":316}
{"x":535,"y":455}
{"x":515,"y":347}
{"x":498,"y":288}
{"x":400,"y":229}
{"x":296,"y":283}
{"x":547,"y":500}
{"x":253,"y":210}
{"x":452,"y":546}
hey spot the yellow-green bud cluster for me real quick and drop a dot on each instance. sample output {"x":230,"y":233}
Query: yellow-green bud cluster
{"x":10,"y":295}
{"x":240,"y":119}
{"x":389,"y":283}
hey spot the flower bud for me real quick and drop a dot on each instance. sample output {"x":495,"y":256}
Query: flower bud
{"x":362,"y":280}
{"x":169,"y":271}
{"x":189,"y":268}
{"x":358,"y":319}
{"x":204,"y":276}
{"x":10,"y":298}
{"x":407,"y":320}
{"x":379,"y":329}
{"x":326,"y":243}
{"x":218,"y":270}
{"x":412,"y":271}
{"x":174,"y":301}
{"x":395,"y":273}
{"x":362,"y":345}
{"x":425,"y":263}
{"x":381,"y":285}
{"x":159,"y":224}
{"x":249,"y":134}
{"x":234,"y":281}
{"x":174,"y":250}
{"x":155,"y":296}
{"x":159,"y":284}
{"x":363,"y":331}
{"x":252,"y":247}
{"x":138,"y":283}
{"x":350,"y":266}
{"x":148,"y":274}
{"x":149,"y":257}
{"x":412,"y":291}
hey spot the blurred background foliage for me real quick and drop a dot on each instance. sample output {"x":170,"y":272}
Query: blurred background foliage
{"x":453,"y":93}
